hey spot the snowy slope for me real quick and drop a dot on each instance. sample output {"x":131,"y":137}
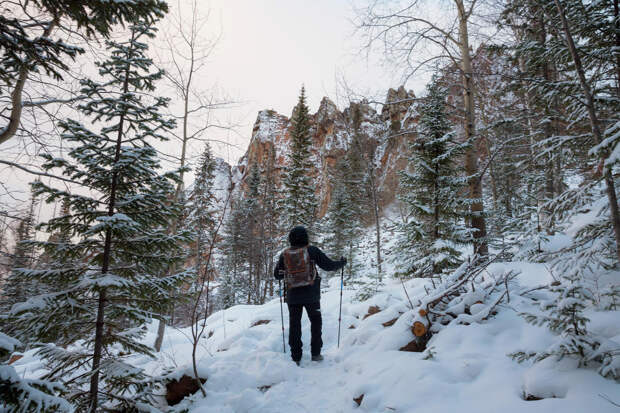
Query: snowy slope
{"x":469,"y":370}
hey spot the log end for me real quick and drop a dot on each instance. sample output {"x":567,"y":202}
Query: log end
{"x":419,"y":329}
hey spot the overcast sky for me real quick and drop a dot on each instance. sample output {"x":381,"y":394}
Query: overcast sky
{"x":269,"y":48}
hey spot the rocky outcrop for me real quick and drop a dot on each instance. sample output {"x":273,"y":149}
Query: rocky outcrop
{"x":385,"y":140}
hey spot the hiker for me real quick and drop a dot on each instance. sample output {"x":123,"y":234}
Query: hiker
{"x":296,"y":266}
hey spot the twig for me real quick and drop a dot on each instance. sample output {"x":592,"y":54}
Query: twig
{"x":406,"y":293}
{"x":606,"y":397}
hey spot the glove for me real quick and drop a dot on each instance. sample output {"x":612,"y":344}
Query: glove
{"x":343,"y":260}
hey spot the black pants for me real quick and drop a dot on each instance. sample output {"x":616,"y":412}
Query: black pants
{"x":294,"y":333}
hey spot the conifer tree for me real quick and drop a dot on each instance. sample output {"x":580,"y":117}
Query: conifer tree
{"x":103,"y":285}
{"x":272,"y":222}
{"x":564,"y":315}
{"x":429,"y":238}
{"x":299,"y":205}
{"x":233,"y":257}
{"x":200,"y":222}
{"x":255,"y":234}
{"x":16,"y":289}
{"x":344,"y":213}
{"x":18,"y":394}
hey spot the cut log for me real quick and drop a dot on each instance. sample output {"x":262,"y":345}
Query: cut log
{"x":373,"y":309}
{"x":418,"y":329}
{"x":259,"y":322}
{"x":177,"y":390}
{"x":422,"y":312}
{"x":390,"y":323}
{"x":14,"y":358}
{"x":413,"y":346}
{"x":358,"y":399}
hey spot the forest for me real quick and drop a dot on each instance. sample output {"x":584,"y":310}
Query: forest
{"x":478,"y":217}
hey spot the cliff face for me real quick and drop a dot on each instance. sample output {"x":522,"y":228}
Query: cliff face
{"x":383,"y":141}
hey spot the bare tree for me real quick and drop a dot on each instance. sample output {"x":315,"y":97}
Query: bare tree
{"x":187,"y":50}
{"x":42,"y":37}
{"x":413,"y":36}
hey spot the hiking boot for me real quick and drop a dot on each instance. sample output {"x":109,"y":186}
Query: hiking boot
{"x":297,"y":362}
{"x":318,"y":357}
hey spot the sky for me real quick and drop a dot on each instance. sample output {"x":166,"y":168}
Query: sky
{"x":269,"y":48}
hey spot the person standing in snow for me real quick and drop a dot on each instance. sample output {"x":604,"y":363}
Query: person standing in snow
{"x":296,"y":266}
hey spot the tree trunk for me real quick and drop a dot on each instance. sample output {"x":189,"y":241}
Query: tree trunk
{"x":594,"y":125}
{"x":10,"y":129}
{"x":617,"y":51}
{"x":375,"y":202}
{"x":161,"y":328}
{"x":107,"y":250}
{"x":471,"y":157}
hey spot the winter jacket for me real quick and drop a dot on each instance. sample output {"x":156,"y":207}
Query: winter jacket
{"x":310,"y":293}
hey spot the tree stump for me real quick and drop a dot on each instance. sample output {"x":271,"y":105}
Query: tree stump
{"x":177,"y":390}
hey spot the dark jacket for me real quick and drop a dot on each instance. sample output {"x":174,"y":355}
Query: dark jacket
{"x":311,"y":293}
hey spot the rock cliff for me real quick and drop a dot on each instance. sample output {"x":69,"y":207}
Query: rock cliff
{"x":385,"y":137}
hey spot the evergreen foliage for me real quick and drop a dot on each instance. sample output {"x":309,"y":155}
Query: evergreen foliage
{"x":233,"y":257}
{"x":199,"y":220}
{"x":299,"y":205}
{"x":18,"y":394}
{"x":564,"y":315}
{"x":102,"y":280}
{"x":430,"y":192}
{"x":21,"y":48}
{"x":15,"y":289}
{"x":344,"y":212}
{"x":248,"y":244}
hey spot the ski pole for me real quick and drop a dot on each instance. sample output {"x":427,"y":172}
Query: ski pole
{"x":281,"y":315}
{"x":340,"y":310}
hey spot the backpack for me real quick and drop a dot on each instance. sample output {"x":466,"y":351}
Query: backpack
{"x":300,"y":270}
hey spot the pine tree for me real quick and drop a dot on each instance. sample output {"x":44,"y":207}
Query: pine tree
{"x":233,"y":256}
{"x":270,"y":191}
{"x":200,"y":222}
{"x":18,"y":394}
{"x":299,"y":205}
{"x":16,"y":289}
{"x":345,"y":213}
{"x":564,"y":316}
{"x":255,"y":232}
{"x":103,"y":285}
{"x":428,"y":240}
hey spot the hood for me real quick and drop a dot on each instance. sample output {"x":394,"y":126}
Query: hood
{"x":298,"y":237}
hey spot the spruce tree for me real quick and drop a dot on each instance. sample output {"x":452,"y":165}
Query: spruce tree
{"x":564,"y":315}
{"x":299,"y":205}
{"x":18,"y":394}
{"x":270,"y":192}
{"x":102,"y":282}
{"x":255,"y":233}
{"x":15,"y":288}
{"x":430,"y":191}
{"x":199,"y":221}
{"x":344,"y":212}
{"x":233,"y":256}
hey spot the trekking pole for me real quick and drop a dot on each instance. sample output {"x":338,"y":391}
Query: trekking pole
{"x":340,"y":310}
{"x":281,"y":315}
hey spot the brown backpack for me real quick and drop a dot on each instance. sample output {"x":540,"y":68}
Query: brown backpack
{"x":300,"y":270}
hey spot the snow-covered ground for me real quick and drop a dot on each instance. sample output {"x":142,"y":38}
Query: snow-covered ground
{"x":247,"y":371}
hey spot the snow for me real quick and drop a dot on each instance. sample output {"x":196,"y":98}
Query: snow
{"x":468,"y":370}
{"x":465,"y":368}
{"x":8,"y":343}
